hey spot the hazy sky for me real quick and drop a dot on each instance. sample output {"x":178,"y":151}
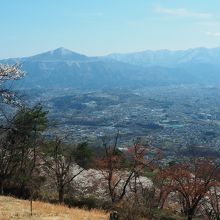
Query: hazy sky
{"x":98,"y":27}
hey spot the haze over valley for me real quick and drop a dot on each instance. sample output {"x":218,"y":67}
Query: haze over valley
{"x":168,"y":97}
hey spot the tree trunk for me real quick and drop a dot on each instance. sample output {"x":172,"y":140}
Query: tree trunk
{"x":61,"y":195}
{"x":189,"y":217}
{"x":31,"y":205}
{"x":190,"y":214}
{"x":1,"y":188}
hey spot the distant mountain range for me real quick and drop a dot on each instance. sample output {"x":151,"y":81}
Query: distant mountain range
{"x":167,"y":58}
{"x":62,"y":68}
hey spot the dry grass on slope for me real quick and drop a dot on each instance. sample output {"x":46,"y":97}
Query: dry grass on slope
{"x":11,"y":208}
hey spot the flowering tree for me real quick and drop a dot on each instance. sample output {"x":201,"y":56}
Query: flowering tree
{"x":122,"y":170}
{"x":59,"y":162}
{"x":211,"y":206}
{"x":110,"y":164}
{"x":8,"y":73}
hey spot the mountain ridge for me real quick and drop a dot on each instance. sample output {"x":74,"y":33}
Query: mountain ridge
{"x":65,"y":51}
{"x":170,"y":58}
{"x":61,"y":68}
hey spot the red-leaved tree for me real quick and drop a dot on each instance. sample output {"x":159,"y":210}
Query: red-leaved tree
{"x":191,"y":181}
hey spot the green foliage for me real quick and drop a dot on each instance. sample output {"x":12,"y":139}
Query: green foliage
{"x":83,"y":155}
{"x":56,"y":147}
{"x":21,"y":145}
{"x":30,"y":121}
{"x":172,"y":163}
{"x":150,"y":174}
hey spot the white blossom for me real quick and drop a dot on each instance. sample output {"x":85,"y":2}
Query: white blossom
{"x":10,"y":72}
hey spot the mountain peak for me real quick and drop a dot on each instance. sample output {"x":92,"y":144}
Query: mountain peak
{"x":59,"y":54}
{"x":62,"y":51}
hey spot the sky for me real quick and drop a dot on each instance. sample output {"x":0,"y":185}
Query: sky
{"x":100,"y":27}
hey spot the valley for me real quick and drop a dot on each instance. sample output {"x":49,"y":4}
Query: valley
{"x":172,"y":118}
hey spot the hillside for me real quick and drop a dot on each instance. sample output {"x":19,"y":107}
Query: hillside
{"x":11,"y":208}
{"x":62,"y":68}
